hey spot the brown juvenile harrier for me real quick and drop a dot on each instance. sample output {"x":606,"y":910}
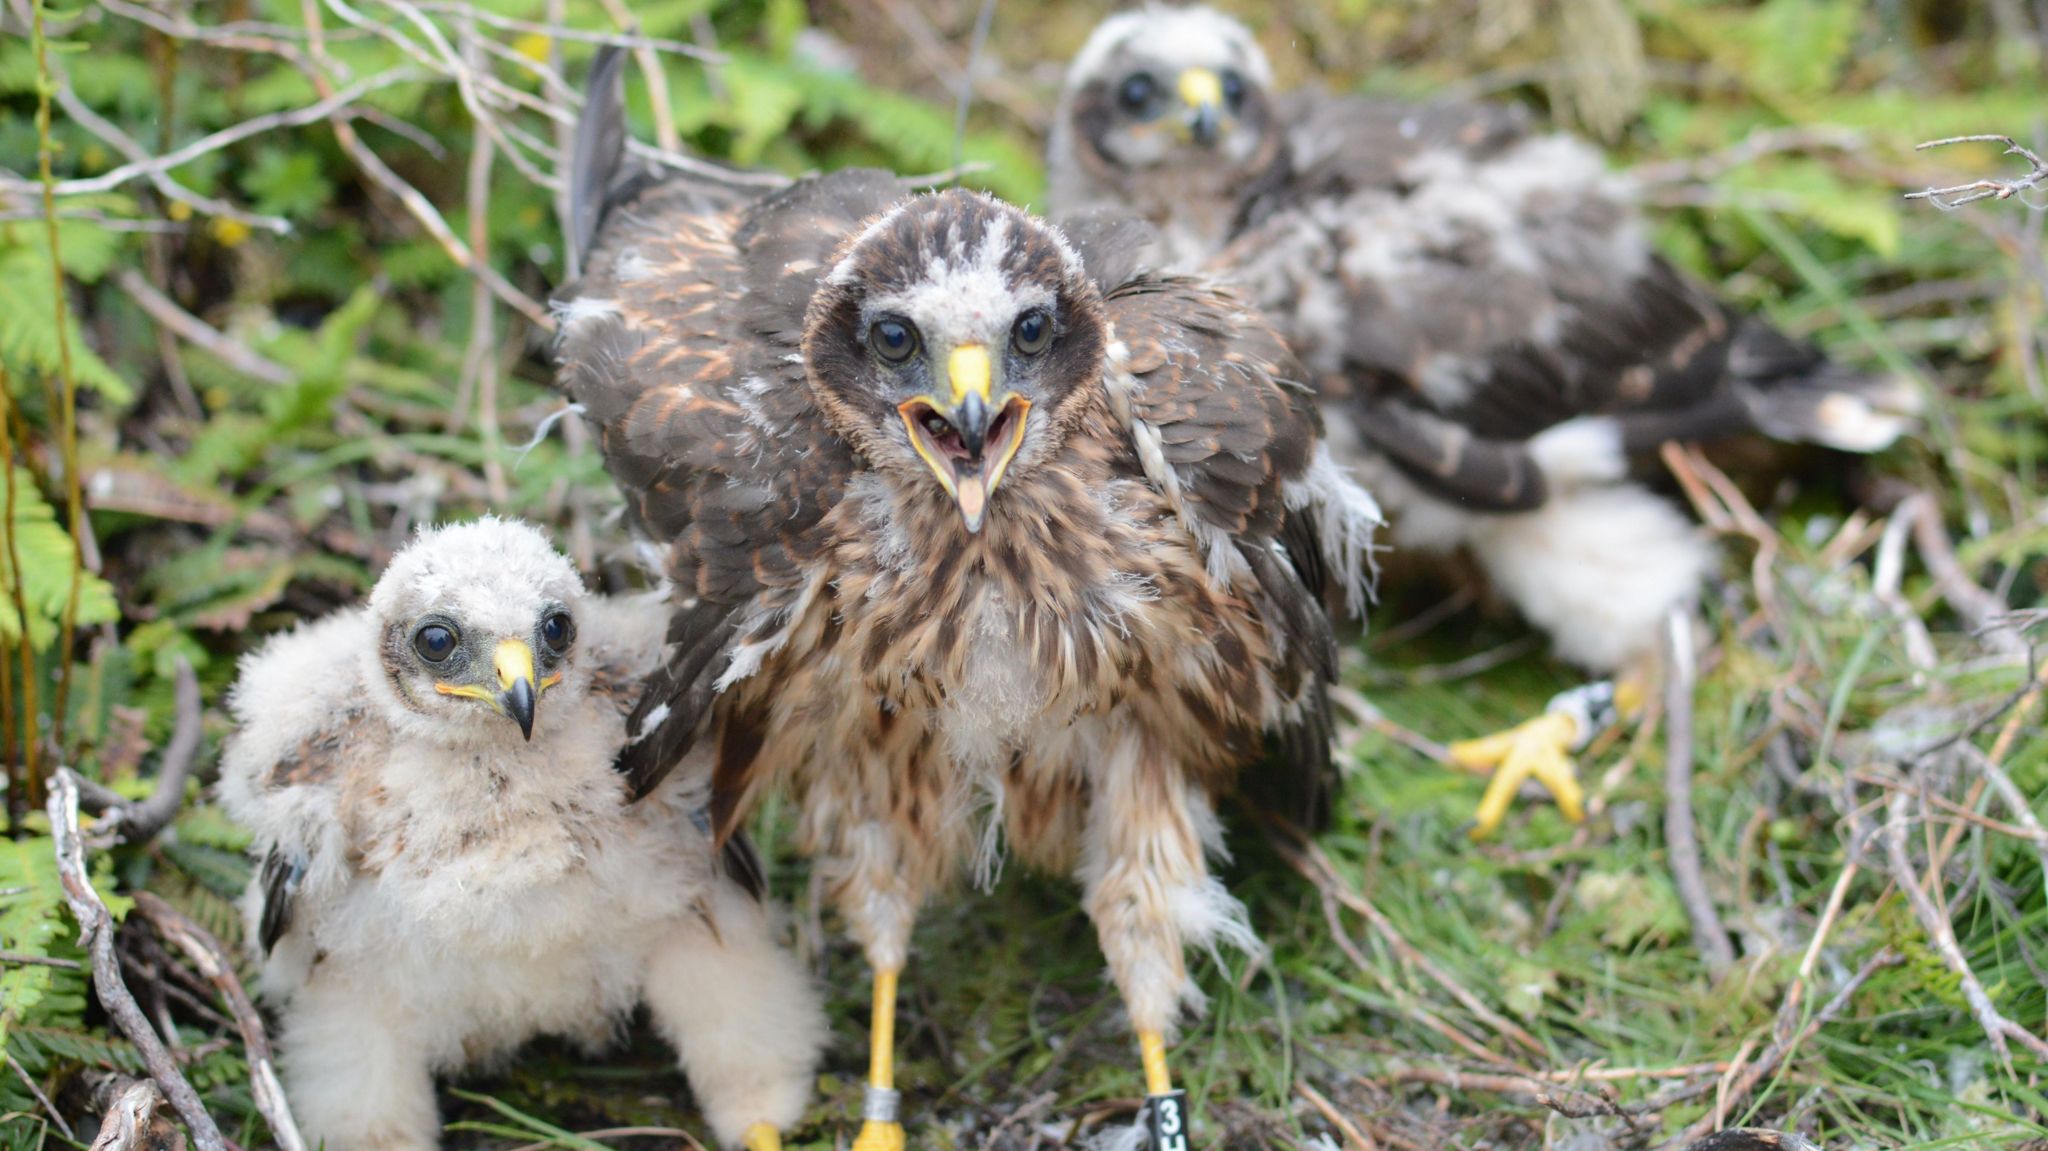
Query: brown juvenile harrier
{"x":1491,"y":332}
{"x":978,"y":536}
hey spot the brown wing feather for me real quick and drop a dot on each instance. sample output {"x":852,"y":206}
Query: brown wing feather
{"x":1236,"y":426}
{"x":1493,"y":282}
{"x":680,"y":343}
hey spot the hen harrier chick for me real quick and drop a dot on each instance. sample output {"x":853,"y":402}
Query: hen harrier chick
{"x":974,"y":540}
{"x":451,"y":865}
{"x":1492,"y":334}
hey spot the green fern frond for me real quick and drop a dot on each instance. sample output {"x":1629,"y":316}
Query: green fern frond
{"x":33,"y":923}
{"x":47,"y":558}
{"x":28,"y":326}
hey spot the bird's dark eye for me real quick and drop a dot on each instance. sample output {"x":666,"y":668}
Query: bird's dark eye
{"x":1233,"y":90}
{"x":435,"y":642}
{"x":1136,"y":91}
{"x":1032,"y":333}
{"x":558,"y":631}
{"x":893,"y":340}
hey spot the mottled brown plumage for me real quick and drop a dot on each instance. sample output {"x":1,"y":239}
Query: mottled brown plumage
{"x":1075,"y":670}
{"x":1477,"y":301}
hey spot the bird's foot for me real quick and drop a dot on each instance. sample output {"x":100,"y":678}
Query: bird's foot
{"x":762,"y":1137}
{"x":876,"y":1135}
{"x":1539,"y":749}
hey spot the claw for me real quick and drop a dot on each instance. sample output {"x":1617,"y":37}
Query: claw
{"x":1539,"y":750}
{"x":761,"y":1137}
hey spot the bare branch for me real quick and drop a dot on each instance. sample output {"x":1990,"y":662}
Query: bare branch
{"x":197,"y":332}
{"x":1997,"y":1028}
{"x":35,"y":1089}
{"x":96,"y":935}
{"x":211,"y":958}
{"x":83,"y":115}
{"x":1680,"y":840}
{"x":1975,"y":190}
{"x":1983,"y":611}
{"x":298,"y":117}
{"x":131,"y":1116}
{"x":141,"y":821}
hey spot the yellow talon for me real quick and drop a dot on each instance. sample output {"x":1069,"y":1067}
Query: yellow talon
{"x":762,"y":1137}
{"x":1539,"y":750}
{"x":876,"y":1136}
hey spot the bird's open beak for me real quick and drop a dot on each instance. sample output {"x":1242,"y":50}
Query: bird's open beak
{"x":1202,"y":91}
{"x":969,"y":437}
{"x":519,"y":686}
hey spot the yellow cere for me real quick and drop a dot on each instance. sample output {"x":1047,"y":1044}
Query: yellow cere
{"x":968,"y":370}
{"x":1199,"y":87}
{"x":514,"y":661}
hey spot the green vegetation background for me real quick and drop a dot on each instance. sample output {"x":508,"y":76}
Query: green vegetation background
{"x":257,"y":469}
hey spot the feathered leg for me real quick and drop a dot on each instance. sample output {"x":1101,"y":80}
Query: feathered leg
{"x":743,"y":1017}
{"x":878,"y":894}
{"x":357,"y":1080}
{"x":1148,"y":890}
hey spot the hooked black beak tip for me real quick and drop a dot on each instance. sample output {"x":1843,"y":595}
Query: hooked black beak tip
{"x":1206,"y":126}
{"x":972,"y":424}
{"x":519,"y":700}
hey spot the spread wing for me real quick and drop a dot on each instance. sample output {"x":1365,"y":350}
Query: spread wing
{"x":1223,"y":424}
{"x":1471,"y":283}
{"x":681,"y":344}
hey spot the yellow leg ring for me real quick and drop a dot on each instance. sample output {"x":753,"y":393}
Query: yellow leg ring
{"x":880,"y":1129}
{"x":1152,"y":1050}
{"x":762,"y":1137}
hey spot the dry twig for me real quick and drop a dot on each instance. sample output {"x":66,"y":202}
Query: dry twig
{"x":130,"y":1119}
{"x":1976,"y":190}
{"x":197,"y":332}
{"x":1984,"y":611}
{"x":1997,"y":1028}
{"x":1680,"y":838}
{"x":42,"y":1100}
{"x":1354,"y":1138}
{"x":96,"y":936}
{"x":207,"y":954}
{"x":135,"y":822}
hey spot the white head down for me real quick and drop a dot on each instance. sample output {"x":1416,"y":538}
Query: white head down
{"x":475,"y":625}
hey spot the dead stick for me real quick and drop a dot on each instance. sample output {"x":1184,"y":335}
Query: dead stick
{"x":1969,"y":600}
{"x":1354,"y":1138}
{"x":130,"y":1115}
{"x":1680,"y":838}
{"x":1997,"y":1028}
{"x":141,"y":821}
{"x":1531,"y":1082}
{"x":211,"y":958}
{"x":198,"y":332}
{"x":96,"y":935}
{"x":36,"y":1090}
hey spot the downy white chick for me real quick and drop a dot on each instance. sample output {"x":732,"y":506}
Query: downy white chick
{"x":451,"y":866}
